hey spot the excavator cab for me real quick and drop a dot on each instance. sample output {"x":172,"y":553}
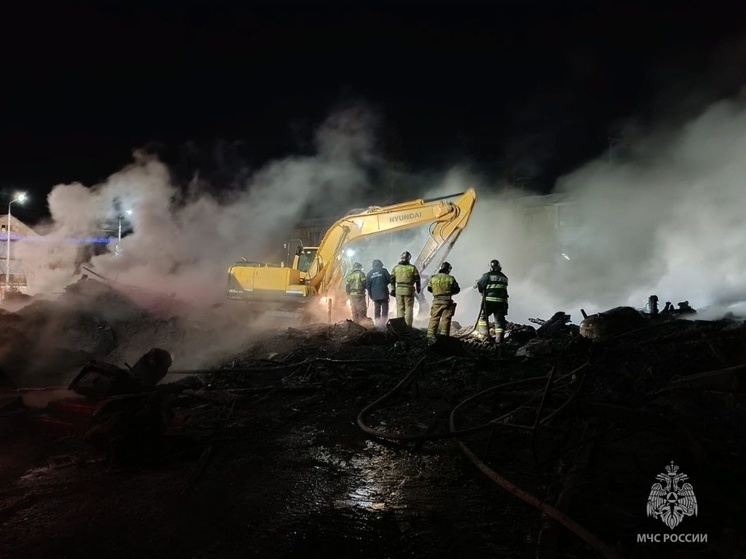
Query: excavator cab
{"x":305,"y":258}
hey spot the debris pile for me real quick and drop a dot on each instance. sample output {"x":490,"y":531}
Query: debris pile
{"x":47,"y":341}
{"x":370,"y":442}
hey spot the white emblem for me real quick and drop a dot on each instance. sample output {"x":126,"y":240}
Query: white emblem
{"x":671,"y":502}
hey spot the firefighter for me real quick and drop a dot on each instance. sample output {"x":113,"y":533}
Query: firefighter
{"x":378,"y":280}
{"x":493,"y":286}
{"x":443,"y":286}
{"x":405,"y":282}
{"x":355,"y":289}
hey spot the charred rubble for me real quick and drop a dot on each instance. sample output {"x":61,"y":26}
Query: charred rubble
{"x":354,"y":440}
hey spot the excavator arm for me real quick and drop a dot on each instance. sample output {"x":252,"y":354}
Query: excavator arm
{"x":447,"y":220}
{"x":446,"y":233}
{"x":318,"y":271}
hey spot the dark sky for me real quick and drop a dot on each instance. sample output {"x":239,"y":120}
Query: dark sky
{"x":523,"y":90}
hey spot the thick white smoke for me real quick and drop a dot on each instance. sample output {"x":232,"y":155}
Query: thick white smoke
{"x":669,"y":221}
{"x":183,"y":243}
{"x":666,"y":221}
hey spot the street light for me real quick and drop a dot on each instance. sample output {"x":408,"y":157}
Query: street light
{"x":119,"y":241}
{"x":20,"y":197}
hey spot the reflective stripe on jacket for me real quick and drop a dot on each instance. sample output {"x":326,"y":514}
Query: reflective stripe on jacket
{"x":494,"y":286}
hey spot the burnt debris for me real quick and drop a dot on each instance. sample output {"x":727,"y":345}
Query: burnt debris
{"x":353,"y":432}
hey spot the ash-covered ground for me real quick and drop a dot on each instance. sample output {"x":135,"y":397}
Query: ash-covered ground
{"x":333,"y":439}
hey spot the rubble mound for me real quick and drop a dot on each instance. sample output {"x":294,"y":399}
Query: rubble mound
{"x":349,"y":440}
{"x":47,"y":341}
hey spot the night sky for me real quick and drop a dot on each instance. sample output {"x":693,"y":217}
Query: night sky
{"x":526,"y":92}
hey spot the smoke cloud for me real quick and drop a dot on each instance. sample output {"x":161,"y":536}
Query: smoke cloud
{"x":180,"y":240}
{"x":668,"y":221}
{"x":665,"y":220}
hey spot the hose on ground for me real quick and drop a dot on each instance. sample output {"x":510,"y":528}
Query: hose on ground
{"x":557,"y":515}
{"x":500,"y":421}
{"x":560,"y":517}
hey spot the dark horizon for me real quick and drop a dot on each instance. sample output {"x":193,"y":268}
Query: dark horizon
{"x":521,"y":94}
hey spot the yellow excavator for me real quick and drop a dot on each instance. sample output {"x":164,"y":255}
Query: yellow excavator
{"x":313,"y":285}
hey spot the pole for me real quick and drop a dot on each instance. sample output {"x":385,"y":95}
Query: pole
{"x":479,"y":314}
{"x":7,"y":254}
{"x":483,"y":311}
{"x":118,"y":252}
{"x":20,"y":197}
{"x":119,"y":239}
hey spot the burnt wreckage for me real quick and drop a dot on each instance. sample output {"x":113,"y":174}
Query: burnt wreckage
{"x":334,"y":437}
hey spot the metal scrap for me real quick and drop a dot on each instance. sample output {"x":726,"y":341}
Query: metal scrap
{"x":98,"y":380}
{"x":612,"y":322}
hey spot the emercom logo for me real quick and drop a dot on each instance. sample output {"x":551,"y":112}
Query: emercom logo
{"x":670,"y":501}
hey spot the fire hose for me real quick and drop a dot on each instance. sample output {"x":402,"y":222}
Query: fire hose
{"x":500,"y":422}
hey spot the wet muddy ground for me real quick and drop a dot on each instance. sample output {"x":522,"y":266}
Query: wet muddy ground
{"x":329,"y":440}
{"x":285,"y":474}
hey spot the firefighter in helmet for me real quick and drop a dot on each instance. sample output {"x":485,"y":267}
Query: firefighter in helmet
{"x":443,"y":286}
{"x":355,"y":289}
{"x":405,"y":282}
{"x":493,"y":286}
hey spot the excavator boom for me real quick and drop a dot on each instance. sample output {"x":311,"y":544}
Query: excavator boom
{"x":444,"y":234}
{"x":445,"y":218}
{"x":318,"y":271}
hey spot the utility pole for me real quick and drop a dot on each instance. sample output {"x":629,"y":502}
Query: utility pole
{"x":20,"y":198}
{"x":118,"y":251}
{"x":391,"y":238}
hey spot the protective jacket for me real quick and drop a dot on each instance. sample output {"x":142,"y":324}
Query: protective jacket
{"x":378,"y":281}
{"x":443,"y":286}
{"x":494,"y":286}
{"x":355,"y":282}
{"x":405,"y":279}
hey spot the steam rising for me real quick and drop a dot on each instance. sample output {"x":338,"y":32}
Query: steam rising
{"x":667,"y":221}
{"x":182,"y":243}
